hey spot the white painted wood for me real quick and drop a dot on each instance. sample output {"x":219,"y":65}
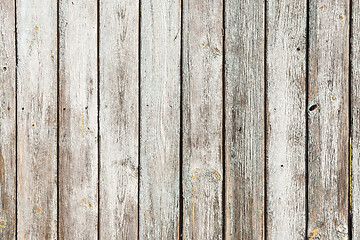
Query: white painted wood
{"x":119,"y":118}
{"x":37,"y":119}
{"x":160,"y":119}
{"x":78,"y":123}
{"x":202,"y":119}
{"x":286,"y":119}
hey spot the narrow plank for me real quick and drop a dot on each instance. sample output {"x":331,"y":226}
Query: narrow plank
{"x":119,"y":118}
{"x":244,"y":156}
{"x":78,"y":126}
{"x":160,"y":119}
{"x":202,"y":119}
{"x":286,"y":119}
{"x":355,"y":119}
{"x":7,"y":121}
{"x":37,"y":119}
{"x":328,"y":119}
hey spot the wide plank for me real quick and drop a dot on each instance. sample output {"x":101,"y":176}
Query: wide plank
{"x":78,"y":120}
{"x":160,"y":119}
{"x":245,"y":120}
{"x":7,"y":120}
{"x":37,"y":119}
{"x":203,"y":119}
{"x":119,"y":118}
{"x":286,"y":119}
{"x":328,"y":119}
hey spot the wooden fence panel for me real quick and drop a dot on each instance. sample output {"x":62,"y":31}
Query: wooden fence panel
{"x":328,"y":119}
{"x":78,"y":121}
{"x":286,"y":119}
{"x":190,"y":119}
{"x":160,"y":119}
{"x":119,"y":119}
{"x":203,"y":119}
{"x":245,"y":120}
{"x":37,"y":119}
{"x":7,"y":121}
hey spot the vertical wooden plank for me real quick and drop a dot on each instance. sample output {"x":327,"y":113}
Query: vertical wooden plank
{"x":78,"y":126}
{"x":7,"y":121}
{"x":286,"y":119}
{"x":203,"y":119}
{"x":119,"y":46}
{"x":328,"y":119}
{"x":160,"y":119}
{"x":355,"y":119}
{"x":245,"y":158}
{"x":37,"y":119}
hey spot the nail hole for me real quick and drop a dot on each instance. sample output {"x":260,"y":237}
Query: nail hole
{"x":281,"y":165}
{"x":298,"y":49}
{"x":240,"y":129}
{"x":313,"y":107}
{"x":64,"y":108}
{"x":22,"y":108}
{"x":86,"y":107}
{"x":4,"y":68}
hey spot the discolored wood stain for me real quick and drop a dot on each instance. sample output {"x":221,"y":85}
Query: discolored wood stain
{"x":328,"y":127}
{"x":245,"y":120}
{"x":7,"y":120}
{"x":119,"y":118}
{"x":202,"y":119}
{"x":78,"y":120}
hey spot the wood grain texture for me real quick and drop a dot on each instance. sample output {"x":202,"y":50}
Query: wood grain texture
{"x":286,"y":119}
{"x":7,"y":120}
{"x":37,"y":119}
{"x":328,"y":119}
{"x":160,"y":119}
{"x":245,"y":158}
{"x":355,"y":119}
{"x":119,"y":119}
{"x":202,"y":119}
{"x":78,"y":125}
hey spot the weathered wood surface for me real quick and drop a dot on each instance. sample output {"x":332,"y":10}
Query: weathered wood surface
{"x":203,"y":119}
{"x":328,"y":119}
{"x":7,"y":121}
{"x":179,"y":119}
{"x":160,"y":119}
{"x":37,"y":119}
{"x":245,"y":156}
{"x":355,"y":120}
{"x":119,"y":30}
{"x":286,"y":119}
{"x":78,"y":120}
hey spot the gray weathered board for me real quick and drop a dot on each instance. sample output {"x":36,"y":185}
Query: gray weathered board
{"x":179,"y":119}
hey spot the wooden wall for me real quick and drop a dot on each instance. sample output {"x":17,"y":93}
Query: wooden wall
{"x":190,"y":119}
